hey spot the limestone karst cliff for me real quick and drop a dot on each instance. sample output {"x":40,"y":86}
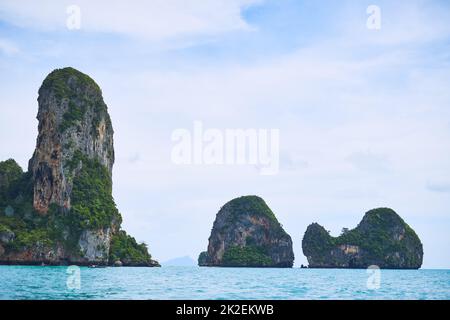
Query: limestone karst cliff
{"x":73,"y":121}
{"x":62,"y":211}
{"x":246,"y":233}
{"x":382,"y":238}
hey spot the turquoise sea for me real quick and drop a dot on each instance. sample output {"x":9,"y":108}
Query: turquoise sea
{"x":31,"y":282}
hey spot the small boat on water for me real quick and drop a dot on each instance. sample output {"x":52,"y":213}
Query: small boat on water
{"x":96,"y":266}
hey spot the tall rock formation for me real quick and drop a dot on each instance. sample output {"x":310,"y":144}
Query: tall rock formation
{"x":73,"y":119}
{"x":246,"y":233}
{"x":382,"y":238}
{"x":62,"y":211}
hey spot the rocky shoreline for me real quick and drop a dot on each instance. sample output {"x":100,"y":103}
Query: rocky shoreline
{"x":45,"y":263}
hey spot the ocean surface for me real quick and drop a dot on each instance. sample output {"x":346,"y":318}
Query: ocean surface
{"x":30,"y":282}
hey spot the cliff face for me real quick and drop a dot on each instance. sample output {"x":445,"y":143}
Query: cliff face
{"x":73,"y":118}
{"x":382,"y":238}
{"x":246,"y":233}
{"x":62,"y":210}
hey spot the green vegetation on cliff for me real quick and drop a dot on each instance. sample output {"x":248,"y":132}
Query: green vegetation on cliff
{"x":248,"y":256}
{"x":56,"y":81}
{"x":246,"y":233}
{"x":381,"y":238}
{"x":249,"y":205}
{"x":127,"y":250}
{"x":92,"y":201}
{"x":74,"y":115}
{"x":30,"y":228}
{"x":375,"y":235}
{"x":81,"y":93}
{"x":92,"y":207}
{"x":18,"y":216}
{"x":10,"y":172}
{"x":63,"y":210}
{"x":203,"y":258}
{"x":318,"y":243}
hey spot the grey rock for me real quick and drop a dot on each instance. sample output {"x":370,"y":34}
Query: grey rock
{"x":382,"y":238}
{"x":75,"y":120}
{"x":94,"y":245}
{"x":74,"y":129}
{"x":246,"y":227}
{"x":7,"y":236}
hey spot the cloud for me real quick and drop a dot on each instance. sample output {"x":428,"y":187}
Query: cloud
{"x":368,"y":161}
{"x":155,"y":20}
{"x":291,"y":163}
{"x":8,"y":47}
{"x":134,"y":158}
{"x":442,"y":186}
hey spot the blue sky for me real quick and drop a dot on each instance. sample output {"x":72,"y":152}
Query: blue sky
{"x":364,"y":115}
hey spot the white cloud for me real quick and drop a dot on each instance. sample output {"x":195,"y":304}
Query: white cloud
{"x":155,"y":19}
{"x":8,"y":47}
{"x":439,"y":186}
{"x":369,"y":161}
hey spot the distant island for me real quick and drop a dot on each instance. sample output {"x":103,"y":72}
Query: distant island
{"x":61,"y":211}
{"x":382,"y":238}
{"x":246,"y":233}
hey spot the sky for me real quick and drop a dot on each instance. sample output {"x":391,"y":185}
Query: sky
{"x":363,"y":113}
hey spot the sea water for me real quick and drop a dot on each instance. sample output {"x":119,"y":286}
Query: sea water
{"x":32,"y":282}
